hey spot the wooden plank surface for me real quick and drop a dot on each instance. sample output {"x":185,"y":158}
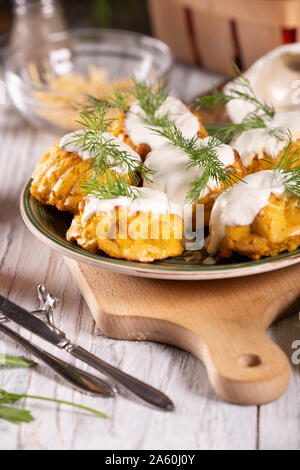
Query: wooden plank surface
{"x":221,"y":322}
{"x":201,"y":419}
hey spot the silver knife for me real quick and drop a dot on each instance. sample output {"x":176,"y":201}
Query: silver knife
{"x":79,"y":379}
{"x":58,"y":338}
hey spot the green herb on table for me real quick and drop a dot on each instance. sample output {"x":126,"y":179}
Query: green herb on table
{"x":13,"y":361}
{"x":18,"y":415}
{"x":15,"y":415}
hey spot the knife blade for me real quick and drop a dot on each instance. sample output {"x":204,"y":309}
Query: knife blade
{"x":79,"y":379}
{"x":58,"y":338}
{"x":35,"y":325}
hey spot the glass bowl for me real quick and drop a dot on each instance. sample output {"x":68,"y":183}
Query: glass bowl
{"x":121,"y":55}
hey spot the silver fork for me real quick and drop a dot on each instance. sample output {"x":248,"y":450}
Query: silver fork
{"x":81,"y":380}
{"x":45,"y":328}
{"x":142,"y":390}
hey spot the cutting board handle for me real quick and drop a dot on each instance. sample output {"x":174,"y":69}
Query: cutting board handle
{"x":222,"y":322}
{"x":245,"y":366}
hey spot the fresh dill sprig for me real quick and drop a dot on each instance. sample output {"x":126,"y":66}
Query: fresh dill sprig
{"x":288,"y":169}
{"x":242,"y":91}
{"x":289,"y":157}
{"x":96,"y":118}
{"x":104,"y":151}
{"x":17,"y":416}
{"x":260,"y":117}
{"x":13,"y":361}
{"x":150,"y":100}
{"x":252,"y":121}
{"x":117,"y":100}
{"x":200,"y":155}
{"x":111,"y":188}
{"x":292,"y":184}
{"x":279,"y":133}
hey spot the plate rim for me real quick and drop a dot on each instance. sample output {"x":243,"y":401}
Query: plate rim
{"x":190,"y":272}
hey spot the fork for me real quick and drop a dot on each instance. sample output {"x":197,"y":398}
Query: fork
{"x":79,"y":379}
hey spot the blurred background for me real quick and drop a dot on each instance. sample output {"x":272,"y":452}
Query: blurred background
{"x":124,"y":14}
{"x":203,"y":33}
{"x":45,"y":70}
{"x":58,"y":53}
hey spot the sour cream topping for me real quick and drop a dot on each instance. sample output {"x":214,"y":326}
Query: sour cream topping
{"x":240,"y":204}
{"x":258,"y":142}
{"x":147,"y":200}
{"x":272,"y":78}
{"x":139,"y":131}
{"x":70,"y":144}
{"x":172,"y":175}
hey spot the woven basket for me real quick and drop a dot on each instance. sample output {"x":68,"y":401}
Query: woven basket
{"x":217,"y":33}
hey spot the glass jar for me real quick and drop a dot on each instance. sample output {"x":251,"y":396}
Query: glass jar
{"x":34,"y":20}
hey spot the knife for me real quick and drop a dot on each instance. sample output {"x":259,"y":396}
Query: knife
{"x":79,"y":379}
{"x":58,"y":338}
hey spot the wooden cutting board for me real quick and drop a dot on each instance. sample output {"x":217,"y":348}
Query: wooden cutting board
{"x":222,"y":322}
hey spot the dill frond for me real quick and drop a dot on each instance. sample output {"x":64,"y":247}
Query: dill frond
{"x":242,"y":91}
{"x":149,"y":98}
{"x":204,"y":156}
{"x":104,"y":151}
{"x":260,"y":117}
{"x":289,"y":157}
{"x":288,"y":168}
{"x":292,"y":184}
{"x":253,"y":121}
{"x":112,"y":187}
{"x":117,"y":100}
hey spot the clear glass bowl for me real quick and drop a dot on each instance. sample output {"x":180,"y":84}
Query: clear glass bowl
{"x":122,"y":54}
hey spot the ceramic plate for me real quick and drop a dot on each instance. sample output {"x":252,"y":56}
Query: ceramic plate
{"x":50,"y":226}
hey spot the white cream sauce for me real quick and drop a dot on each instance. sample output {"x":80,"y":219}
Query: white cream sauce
{"x":139,"y":131}
{"x":272,"y":77}
{"x":68,"y":143}
{"x":258,"y":143}
{"x":147,"y":200}
{"x":240,"y":204}
{"x":172,"y":175}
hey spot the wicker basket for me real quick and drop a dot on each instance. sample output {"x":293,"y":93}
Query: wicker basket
{"x":217,"y":33}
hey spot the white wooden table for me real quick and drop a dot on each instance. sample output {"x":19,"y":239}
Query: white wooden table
{"x":201,"y":419}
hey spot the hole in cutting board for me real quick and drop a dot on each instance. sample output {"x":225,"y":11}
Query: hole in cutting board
{"x":249,"y":360}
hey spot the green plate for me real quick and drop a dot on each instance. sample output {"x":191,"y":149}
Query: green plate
{"x":50,"y":226}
